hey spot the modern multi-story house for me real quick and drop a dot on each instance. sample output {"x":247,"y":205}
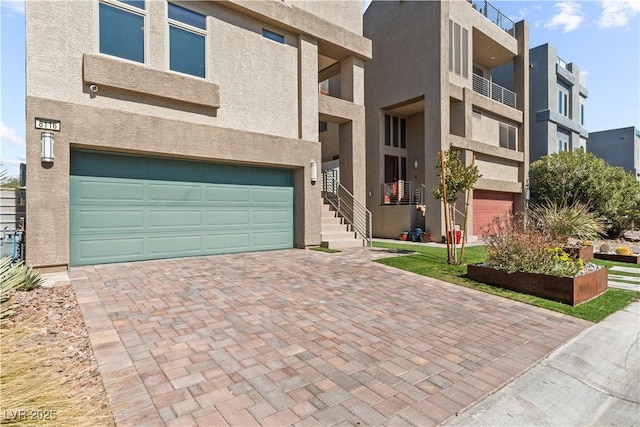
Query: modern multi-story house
{"x":162,"y":129}
{"x":619,"y":147}
{"x":557,"y":103}
{"x":430,"y":87}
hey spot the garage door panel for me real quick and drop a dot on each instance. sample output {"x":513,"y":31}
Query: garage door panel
{"x":167,"y":192}
{"x":173,"y":218}
{"x":92,"y":220}
{"x":228,"y":242}
{"x":271,"y":216}
{"x":117,"y":219}
{"x":114,"y":248}
{"x":271,"y":195}
{"x":89,"y":190}
{"x":486,"y":206}
{"x":175,"y":245}
{"x":228,"y":193}
{"x":226,"y":217}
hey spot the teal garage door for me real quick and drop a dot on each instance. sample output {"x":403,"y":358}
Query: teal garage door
{"x":130,"y":208}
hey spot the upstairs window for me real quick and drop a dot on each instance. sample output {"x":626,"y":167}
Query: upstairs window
{"x":508,"y":136}
{"x":187,"y":35}
{"x":395,"y":131}
{"x":121,"y":29}
{"x":563,"y":100}
{"x":582,"y":107}
{"x":272,"y":36}
{"x":458,"y":50}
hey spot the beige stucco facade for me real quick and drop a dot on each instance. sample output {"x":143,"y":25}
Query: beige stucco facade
{"x":409,"y":79}
{"x":257,"y":105}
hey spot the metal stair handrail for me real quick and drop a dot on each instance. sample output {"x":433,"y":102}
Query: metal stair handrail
{"x":347,"y":206}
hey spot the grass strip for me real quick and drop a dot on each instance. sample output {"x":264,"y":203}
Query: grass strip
{"x":432,"y":262}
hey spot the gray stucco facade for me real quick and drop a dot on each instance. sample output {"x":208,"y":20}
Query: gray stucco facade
{"x":257,"y":105}
{"x":555,"y":123}
{"x":619,"y":147}
{"x":428,"y":88}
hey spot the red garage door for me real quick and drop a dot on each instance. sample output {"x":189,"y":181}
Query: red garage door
{"x":488,"y":204}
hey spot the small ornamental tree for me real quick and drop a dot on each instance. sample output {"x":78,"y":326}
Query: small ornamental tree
{"x":455,"y":178}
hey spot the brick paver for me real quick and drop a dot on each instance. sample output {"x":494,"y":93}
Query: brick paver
{"x":301,"y":337}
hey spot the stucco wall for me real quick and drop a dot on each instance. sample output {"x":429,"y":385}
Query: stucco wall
{"x":617,"y":146}
{"x":268,"y":102}
{"x":118,"y":131}
{"x":497,"y":169}
{"x":347,"y":14}
{"x":257,"y":77}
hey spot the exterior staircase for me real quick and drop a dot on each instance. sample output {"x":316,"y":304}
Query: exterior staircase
{"x":335,"y":231}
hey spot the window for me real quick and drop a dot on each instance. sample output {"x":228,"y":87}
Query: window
{"x":508,"y":136}
{"x":387,"y":129}
{"x":395,"y":130}
{"x":564,"y":141}
{"x":563,"y":100}
{"x":121,"y":29}
{"x":273,"y":36}
{"x":187,"y":34}
{"x":582,"y":107}
{"x":458,"y":49}
{"x":395,"y":133}
{"x":322,"y":126}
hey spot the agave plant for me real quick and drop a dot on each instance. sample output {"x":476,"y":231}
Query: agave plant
{"x":13,"y":278}
{"x":560,"y":222}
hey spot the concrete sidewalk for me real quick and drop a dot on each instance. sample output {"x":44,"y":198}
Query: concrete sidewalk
{"x":594,"y":379}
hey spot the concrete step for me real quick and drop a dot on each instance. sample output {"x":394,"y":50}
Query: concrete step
{"x":329,"y":214}
{"x":342,"y":243}
{"x":338,"y":235}
{"x":326,"y":227}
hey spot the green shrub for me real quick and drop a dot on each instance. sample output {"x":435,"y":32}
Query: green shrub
{"x":560,"y":222}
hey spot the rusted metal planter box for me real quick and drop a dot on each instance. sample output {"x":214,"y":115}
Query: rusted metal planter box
{"x":585,"y":253}
{"x":567,"y":290}
{"x":631,"y":259}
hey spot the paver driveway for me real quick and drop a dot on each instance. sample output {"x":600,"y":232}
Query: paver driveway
{"x":301,"y":337}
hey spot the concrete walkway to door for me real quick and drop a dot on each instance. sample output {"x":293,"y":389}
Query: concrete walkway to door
{"x":301,"y":337}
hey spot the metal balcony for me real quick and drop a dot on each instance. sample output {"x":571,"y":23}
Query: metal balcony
{"x":494,"y":91}
{"x":494,"y":15}
{"x":403,"y":193}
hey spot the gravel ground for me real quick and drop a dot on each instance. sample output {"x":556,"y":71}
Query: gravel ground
{"x":55,"y":315}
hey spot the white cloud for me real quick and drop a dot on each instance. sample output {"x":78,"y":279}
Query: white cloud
{"x":569,"y":17}
{"x":16,"y":6}
{"x":8,"y":134}
{"x":617,"y":13}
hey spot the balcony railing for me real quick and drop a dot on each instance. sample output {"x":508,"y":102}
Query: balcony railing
{"x":402,"y":193}
{"x":494,"y":15}
{"x":561,"y":62}
{"x":493,"y":91}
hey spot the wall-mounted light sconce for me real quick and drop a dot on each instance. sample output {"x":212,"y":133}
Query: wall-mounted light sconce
{"x":415,"y":164}
{"x":314,"y":172}
{"x":46,"y":152}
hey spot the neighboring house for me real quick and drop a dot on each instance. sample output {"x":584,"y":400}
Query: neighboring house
{"x":619,"y":147}
{"x":557,"y":104}
{"x":185,"y":128}
{"x":429,"y":86}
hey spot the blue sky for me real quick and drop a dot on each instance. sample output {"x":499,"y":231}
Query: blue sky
{"x":601,"y":37}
